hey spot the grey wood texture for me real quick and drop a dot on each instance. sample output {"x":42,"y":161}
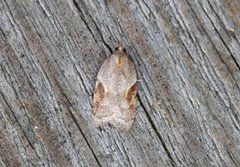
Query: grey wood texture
{"x":187,"y":55}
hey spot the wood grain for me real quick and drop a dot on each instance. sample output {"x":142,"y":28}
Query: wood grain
{"x":187,"y":55}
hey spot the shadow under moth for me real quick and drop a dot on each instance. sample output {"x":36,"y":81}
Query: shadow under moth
{"x":114,"y":99}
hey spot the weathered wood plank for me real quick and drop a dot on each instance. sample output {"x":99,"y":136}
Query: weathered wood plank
{"x":187,"y":54}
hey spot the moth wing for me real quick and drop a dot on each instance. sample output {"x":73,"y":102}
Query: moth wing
{"x":98,"y":96}
{"x":102,"y":71}
{"x":99,"y":88}
{"x":131,"y":97}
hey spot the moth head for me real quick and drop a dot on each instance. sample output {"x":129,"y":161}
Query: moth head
{"x":120,"y":47}
{"x":120,"y":52}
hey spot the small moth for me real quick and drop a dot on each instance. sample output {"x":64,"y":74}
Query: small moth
{"x":114,"y":99}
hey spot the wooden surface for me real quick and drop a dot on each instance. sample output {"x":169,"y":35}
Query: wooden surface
{"x":187,"y":55}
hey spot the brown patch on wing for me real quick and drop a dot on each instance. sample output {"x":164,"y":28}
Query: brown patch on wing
{"x":131,"y":97}
{"x":131,"y":93}
{"x":98,"y":96}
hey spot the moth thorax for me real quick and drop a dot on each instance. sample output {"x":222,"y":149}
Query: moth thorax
{"x":119,"y":60}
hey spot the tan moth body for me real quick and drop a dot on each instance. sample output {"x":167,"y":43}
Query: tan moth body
{"x":114,"y":100}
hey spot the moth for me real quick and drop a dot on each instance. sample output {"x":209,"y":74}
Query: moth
{"x":114,"y":100}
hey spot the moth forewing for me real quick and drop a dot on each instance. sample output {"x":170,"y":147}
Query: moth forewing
{"x":114,"y":99}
